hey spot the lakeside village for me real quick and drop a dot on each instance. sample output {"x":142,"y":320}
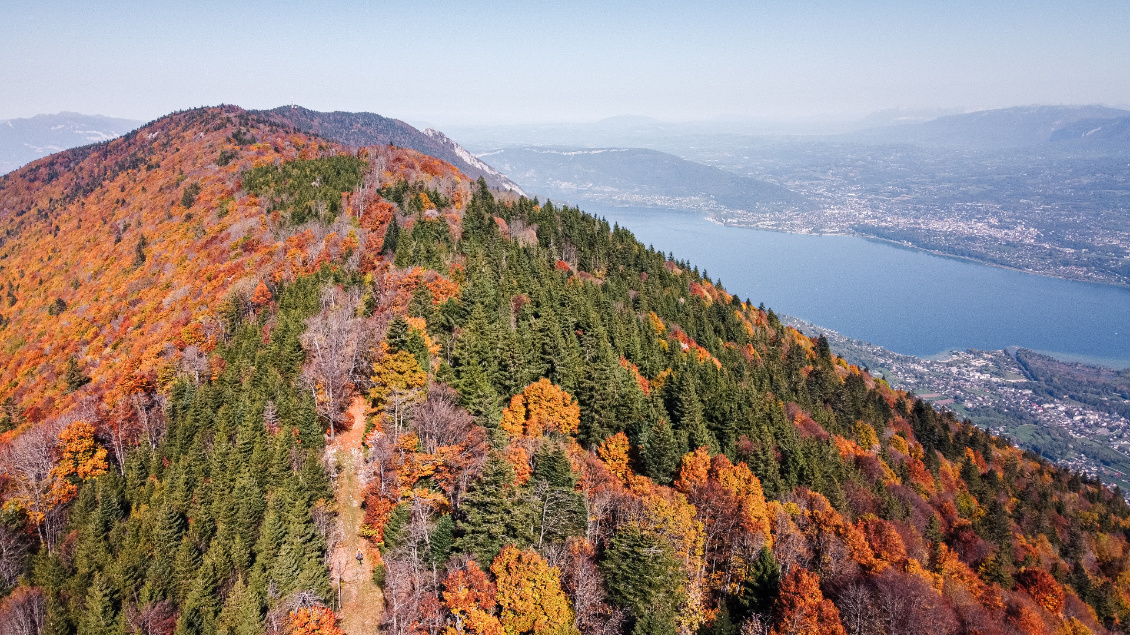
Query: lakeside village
{"x":990,"y":389}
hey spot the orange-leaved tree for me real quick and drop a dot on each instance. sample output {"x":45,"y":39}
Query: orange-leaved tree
{"x":81,"y":458}
{"x":529,"y":593}
{"x":471,"y":599}
{"x":614,"y":452}
{"x":1043,"y":588}
{"x":693,"y":470}
{"x":541,"y":407}
{"x":801,"y":608}
{"x":316,"y":620}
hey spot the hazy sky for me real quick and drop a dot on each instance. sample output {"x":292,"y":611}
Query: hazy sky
{"x":493,"y":62}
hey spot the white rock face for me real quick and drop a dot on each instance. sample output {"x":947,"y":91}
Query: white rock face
{"x":473,"y":160}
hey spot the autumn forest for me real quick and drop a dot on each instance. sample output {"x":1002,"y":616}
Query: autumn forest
{"x":233,"y":353}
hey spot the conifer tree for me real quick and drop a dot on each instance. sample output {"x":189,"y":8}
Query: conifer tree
{"x":660,"y":452}
{"x":494,"y":513}
{"x":392,"y":237}
{"x":98,"y":613}
{"x":642,"y":576}
{"x":688,"y":415}
{"x":598,"y":396}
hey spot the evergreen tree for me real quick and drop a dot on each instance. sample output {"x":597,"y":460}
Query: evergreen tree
{"x":660,"y":452}
{"x":760,"y":587}
{"x":643,"y":577}
{"x":598,"y":397}
{"x":73,"y":377}
{"x":493,"y":513}
{"x":392,"y":237}
{"x":441,"y":541}
{"x":560,"y":509}
{"x":688,"y":416}
{"x":98,"y":617}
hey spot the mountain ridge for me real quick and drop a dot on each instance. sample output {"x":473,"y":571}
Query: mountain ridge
{"x":637,"y":176}
{"x":358,"y":129}
{"x":997,"y":129}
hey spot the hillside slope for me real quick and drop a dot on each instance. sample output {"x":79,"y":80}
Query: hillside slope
{"x":634,"y":176}
{"x":566,"y":431}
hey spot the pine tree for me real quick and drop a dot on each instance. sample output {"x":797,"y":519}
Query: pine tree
{"x":933,"y":533}
{"x":186,"y":564}
{"x":442,"y":540}
{"x":392,"y":237}
{"x":643,"y":577}
{"x":560,"y":510}
{"x":688,"y":416}
{"x":98,"y":612}
{"x":598,"y":396}
{"x":760,"y":587}
{"x":659,"y":452}
{"x":73,"y":377}
{"x":494,"y":513}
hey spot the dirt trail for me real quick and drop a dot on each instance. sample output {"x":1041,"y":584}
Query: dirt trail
{"x":361,"y":600}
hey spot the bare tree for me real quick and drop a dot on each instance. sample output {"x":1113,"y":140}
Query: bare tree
{"x":584,"y":583}
{"x":409,"y":579}
{"x":194,"y":362}
{"x":28,"y":462}
{"x":908,"y":605}
{"x":23,"y":612}
{"x":335,"y":344}
{"x":381,"y":464}
{"x":157,"y":618}
{"x":325,"y":521}
{"x":440,"y":420}
{"x":756,"y":625}
{"x":857,"y":609}
{"x":278,"y":618}
{"x":13,"y":554}
{"x":120,"y":429}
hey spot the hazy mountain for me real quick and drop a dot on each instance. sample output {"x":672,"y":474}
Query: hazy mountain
{"x":990,"y":129}
{"x":635,"y":176}
{"x":25,"y":140}
{"x":904,"y":116}
{"x":365,"y":128}
{"x":1102,"y":134}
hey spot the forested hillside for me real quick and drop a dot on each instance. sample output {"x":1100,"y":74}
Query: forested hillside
{"x":567,"y":431}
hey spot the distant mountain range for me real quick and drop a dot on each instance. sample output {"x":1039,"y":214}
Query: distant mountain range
{"x":1009,"y":128}
{"x":639,"y":177}
{"x":365,"y":128}
{"x":25,"y":140}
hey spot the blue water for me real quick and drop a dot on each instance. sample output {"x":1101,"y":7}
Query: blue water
{"x":908,"y":301}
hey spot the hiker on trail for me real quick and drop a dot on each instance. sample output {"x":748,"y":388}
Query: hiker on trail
{"x":360,"y":558}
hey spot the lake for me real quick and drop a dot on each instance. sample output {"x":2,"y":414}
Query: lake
{"x":908,"y":301}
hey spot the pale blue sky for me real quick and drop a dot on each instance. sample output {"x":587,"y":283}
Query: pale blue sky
{"x":493,"y":62}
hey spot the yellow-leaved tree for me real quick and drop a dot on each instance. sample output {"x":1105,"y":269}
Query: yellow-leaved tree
{"x":397,"y":380}
{"x":529,"y":593}
{"x":541,"y":407}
